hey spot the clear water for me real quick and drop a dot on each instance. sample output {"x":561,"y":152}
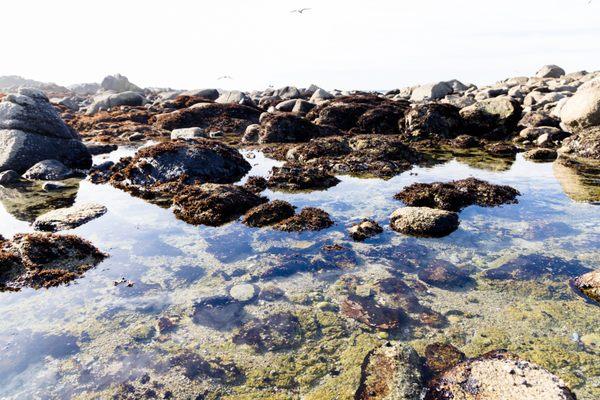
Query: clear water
{"x":86,"y":339}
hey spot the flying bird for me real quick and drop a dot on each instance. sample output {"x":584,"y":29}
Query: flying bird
{"x":224,"y":77}
{"x":300,"y":10}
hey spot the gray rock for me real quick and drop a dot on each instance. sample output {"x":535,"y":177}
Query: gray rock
{"x":48,"y":170}
{"x":432,"y":91}
{"x":251,"y":134}
{"x":424,"y":221}
{"x":535,"y":132}
{"x":30,"y":111}
{"x":320,"y":95}
{"x":210,"y":94}
{"x":286,"y":105}
{"x":234,"y":97}
{"x":66,"y":102}
{"x":85,"y":89}
{"x":550,"y":71}
{"x":68,"y":218}
{"x":288,"y":92}
{"x":457,"y":86}
{"x":582,"y":110}
{"x":8,"y":177}
{"x":107,"y":101}
{"x":302,"y":107}
{"x":187,"y":133}
{"x":119,"y":83}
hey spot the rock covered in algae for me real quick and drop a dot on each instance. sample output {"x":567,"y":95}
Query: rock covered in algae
{"x":44,"y":260}
{"x":364,"y":230}
{"x":269,"y":213}
{"x":308,"y":219}
{"x":456,"y":195}
{"x":589,"y":284}
{"x":391,"y":372}
{"x":497,"y":375}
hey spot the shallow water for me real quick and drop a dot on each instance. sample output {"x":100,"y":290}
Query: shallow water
{"x":86,"y":339}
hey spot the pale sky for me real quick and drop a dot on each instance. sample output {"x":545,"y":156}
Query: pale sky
{"x":346,"y":44}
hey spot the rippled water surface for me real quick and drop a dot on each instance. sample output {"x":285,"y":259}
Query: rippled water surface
{"x":95,"y":339}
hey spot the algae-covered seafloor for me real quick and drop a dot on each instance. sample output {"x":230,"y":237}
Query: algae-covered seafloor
{"x":180,"y":311}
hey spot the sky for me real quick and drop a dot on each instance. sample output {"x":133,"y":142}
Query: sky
{"x":344,"y":44}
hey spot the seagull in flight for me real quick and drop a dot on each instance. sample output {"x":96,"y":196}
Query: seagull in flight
{"x":300,"y":10}
{"x":224,"y":77}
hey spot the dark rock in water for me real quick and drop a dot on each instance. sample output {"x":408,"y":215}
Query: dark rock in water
{"x":228,"y":118}
{"x":44,"y":260}
{"x":541,"y":154}
{"x":322,"y":147}
{"x":465,"y":142}
{"x":404,"y":257}
{"x":269,"y":213}
{"x":536,"y":266}
{"x":370,"y":313}
{"x":295,"y":178}
{"x":9,"y":177}
{"x":287,"y":128}
{"x":256,"y":184}
{"x":277,"y":332}
{"x":195,"y":367}
{"x":391,"y":372}
{"x":497,"y":375}
{"x":433,"y":120}
{"x":218,"y":312}
{"x":202,"y":160}
{"x":336,"y":256}
{"x":424,"y":221}
{"x":308,"y":219}
{"x":100,"y":148}
{"x":501,"y":149}
{"x":441,"y":356}
{"x":443,"y":274}
{"x":213,"y":204}
{"x":456,"y":195}
{"x":364,"y":229}
{"x":360,"y":114}
{"x":492,"y":118}
{"x":31,"y":130}
{"x":589,"y":284}
{"x":48,"y":170}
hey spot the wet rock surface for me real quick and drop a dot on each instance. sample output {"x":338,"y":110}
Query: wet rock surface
{"x":536,"y":266}
{"x":364,"y":230}
{"x":392,"y":371}
{"x":441,"y":356}
{"x":44,"y":260}
{"x":424,"y":221}
{"x":308,"y":219}
{"x":275,"y":333}
{"x":68,"y":218}
{"x":269,"y":213}
{"x":214,"y":204}
{"x":298,"y":178}
{"x":589,"y":284}
{"x":443,"y":274}
{"x":456,"y":195}
{"x":495,"y":376}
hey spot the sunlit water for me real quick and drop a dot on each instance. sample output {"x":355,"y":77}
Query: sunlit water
{"x":85,"y":339}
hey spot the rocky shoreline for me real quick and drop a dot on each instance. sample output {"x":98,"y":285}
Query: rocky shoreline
{"x":189,"y":160}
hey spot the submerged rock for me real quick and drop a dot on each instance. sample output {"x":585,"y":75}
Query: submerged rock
{"x":391,"y":372}
{"x":364,"y":229}
{"x":295,"y":178}
{"x":44,"y":260}
{"x":589,"y":284}
{"x":424,"y":221}
{"x":68,"y":218}
{"x":214,"y":204}
{"x":196,"y":367}
{"x":276,"y":332}
{"x":441,"y":356}
{"x":218,"y":312}
{"x":308,"y":219}
{"x":456,"y":195}
{"x":445,"y":275}
{"x":269,"y":213}
{"x":371,"y":313}
{"x":497,"y":376}
{"x":31,"y":131}
{"x":536,"y":266}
